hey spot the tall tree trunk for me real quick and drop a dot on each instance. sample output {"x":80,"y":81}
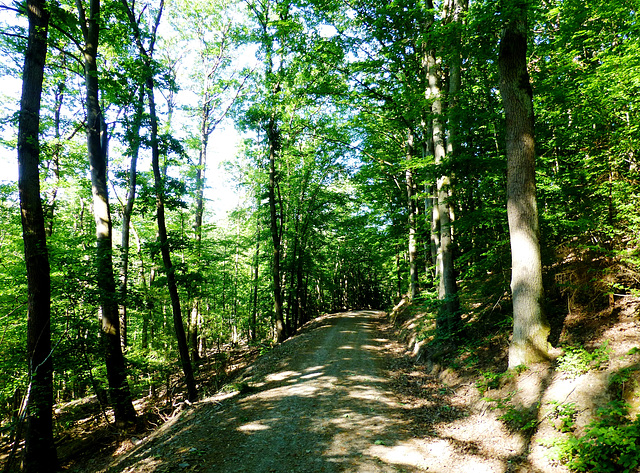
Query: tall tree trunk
{"x":40,"y":450}
{"x":183,"y":347}
{"x":147,"y":55}
{"x":134,"y":143}
{"x":256,"y":268}
{"x":57,"y":152}
{"x":301,"y":310}
{"x":448,"y":317}
{"x":398,"y":273}
{"x":530,"y":328}
{"x":455,"y":13}
{"x":200,"y":180}
{"x":116,"y":374}
{"x":292,"y":304}
{"x":272,"y":135}
{"x":413,"y":222}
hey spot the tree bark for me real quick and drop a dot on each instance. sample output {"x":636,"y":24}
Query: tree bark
{"x":147,"y":54}
{"x":57,"y":152}
{"x":530,"y":328}
{"x":200,"y":179}
{"x":272,"y":135}
{"x":413,"y":223}
{"x":183,"y":347}
{"x":39,"y":447}
{"x":448,"y":317}
{"x":256,"y":268}
{"x":118,"y":387}
{"x":134,"y":143}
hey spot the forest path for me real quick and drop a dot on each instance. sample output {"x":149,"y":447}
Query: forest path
{"x":325,"y":405}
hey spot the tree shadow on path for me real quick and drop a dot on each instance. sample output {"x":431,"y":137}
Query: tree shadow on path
{"x":327,"y":407}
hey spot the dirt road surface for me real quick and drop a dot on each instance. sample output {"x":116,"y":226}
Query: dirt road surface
{"x":324,"y":405}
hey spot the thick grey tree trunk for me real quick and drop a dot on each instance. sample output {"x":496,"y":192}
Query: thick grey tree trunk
{"x":530,"y":328}
{"x":448,"y":317}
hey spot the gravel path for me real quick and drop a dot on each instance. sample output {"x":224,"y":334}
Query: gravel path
{"x":329,"y":411}
{"x":323,"y":405}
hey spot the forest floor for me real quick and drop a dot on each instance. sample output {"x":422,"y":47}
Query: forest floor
{"x":346,"y":395}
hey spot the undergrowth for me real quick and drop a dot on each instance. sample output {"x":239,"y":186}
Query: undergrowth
{"x":576,"y":360}
{"x":611,"y":443}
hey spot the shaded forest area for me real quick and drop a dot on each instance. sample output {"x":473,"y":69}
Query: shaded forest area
{"x":474,"y":161}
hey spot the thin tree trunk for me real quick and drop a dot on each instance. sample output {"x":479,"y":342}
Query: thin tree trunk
{"x":200,"y":179}
{"x":530,"y":328}
{"x":57,"y":151}
{"x":134,"y":141}
{"x":301,"y":310}
{"x":147,"y":55}
{"x":183,"y":348}
{"x":275,"y":233}
{"x":148,"y":300}
{"x":116,"y":374}
{"x":413,"y":224}
{"x":254,"y":312}
{"x":398,"y":274}
{"x":292,"y":309}
{"x":39,"y":447}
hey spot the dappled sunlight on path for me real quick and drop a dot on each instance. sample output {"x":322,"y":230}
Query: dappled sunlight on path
{"x":327,"y":407}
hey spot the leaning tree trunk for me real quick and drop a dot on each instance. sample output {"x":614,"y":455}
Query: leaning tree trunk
{"x":183,"y":348}
{"x":530,"y":328}
{"x":40,"y":449}
{"x":118,"y":387}
{"x":147,"y":55}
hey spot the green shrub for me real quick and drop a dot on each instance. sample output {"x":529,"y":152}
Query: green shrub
{"x":611,"y":443}
{"x":515,"y":417}
{"x":566,"y":412}
{"x":576,"y":360}
{"x":491,"y":380}
{"x":520,"y":418}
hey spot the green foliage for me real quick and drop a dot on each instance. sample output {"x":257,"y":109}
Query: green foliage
{"x":609,"y":444}
{"x":566,"y":413}
{"x":519,"y":418}
{"x":242,"y":387}
{"x":516,"y":417}
{"x":493,"y":380}
{"x":576,"y":360}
